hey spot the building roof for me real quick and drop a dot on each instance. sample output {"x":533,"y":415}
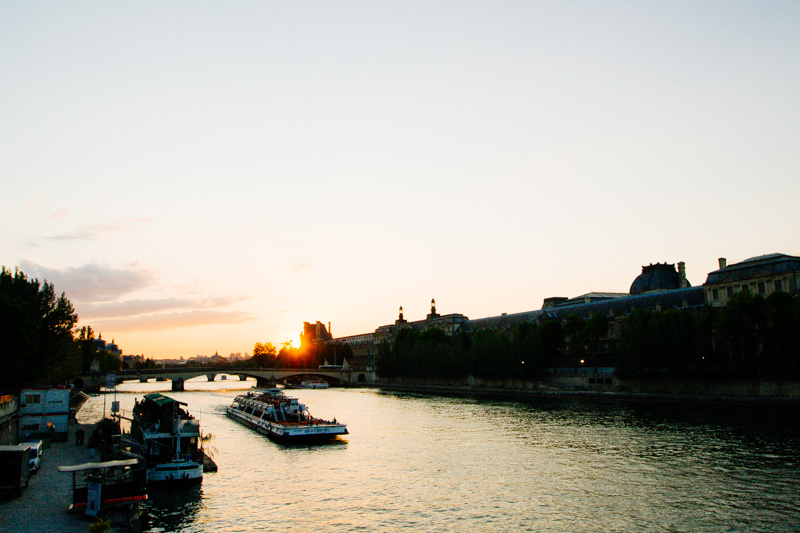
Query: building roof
{"x":658,"y":277}
{"x":679,"y":298}
{"x":755,"y":267}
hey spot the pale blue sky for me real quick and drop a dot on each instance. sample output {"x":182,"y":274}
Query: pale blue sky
{"x":201,"y":176}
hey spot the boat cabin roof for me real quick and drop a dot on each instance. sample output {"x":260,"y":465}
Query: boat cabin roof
{"x":161,"y":400}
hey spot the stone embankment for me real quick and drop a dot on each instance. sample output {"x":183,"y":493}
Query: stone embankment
{"x":611,"y":388}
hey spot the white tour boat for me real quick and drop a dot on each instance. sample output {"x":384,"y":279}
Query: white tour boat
{"x":282,"y":418}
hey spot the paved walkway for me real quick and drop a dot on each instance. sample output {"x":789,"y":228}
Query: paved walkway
{"x":43,"y":505}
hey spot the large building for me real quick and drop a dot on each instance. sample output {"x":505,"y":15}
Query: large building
{"x":660,"y":286}
{"x":759,"y":275}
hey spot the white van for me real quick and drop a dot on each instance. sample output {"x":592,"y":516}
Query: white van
{"x":35,"y":456}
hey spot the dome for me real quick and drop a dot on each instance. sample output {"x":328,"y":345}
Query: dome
{"x":658,"y":277}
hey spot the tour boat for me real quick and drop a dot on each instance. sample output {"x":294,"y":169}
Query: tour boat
{"x":282,"y":418}
{"x":167,"y":437}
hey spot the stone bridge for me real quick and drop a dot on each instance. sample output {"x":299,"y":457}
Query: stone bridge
{"x":265,"y":377}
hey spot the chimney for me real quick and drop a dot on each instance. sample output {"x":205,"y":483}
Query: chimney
{"x":683,"y":282}
{"x":722,"y":263}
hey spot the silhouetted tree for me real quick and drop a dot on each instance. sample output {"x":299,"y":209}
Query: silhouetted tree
{"x":264,"y":355}
{"x":36,"y":343}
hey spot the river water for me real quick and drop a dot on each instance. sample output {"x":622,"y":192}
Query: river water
{"x":423,"y":463}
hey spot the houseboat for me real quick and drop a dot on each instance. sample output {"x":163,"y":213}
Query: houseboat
{"x":168,"y":439}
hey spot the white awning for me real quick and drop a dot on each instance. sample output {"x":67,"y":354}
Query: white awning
{"x":96,"y":466}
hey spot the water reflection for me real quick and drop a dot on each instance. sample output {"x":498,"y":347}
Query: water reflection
{"x":171,"y":509}
{"x":421,"y":463}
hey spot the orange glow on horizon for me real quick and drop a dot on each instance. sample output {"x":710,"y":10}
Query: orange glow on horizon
{"x":293,"y":338}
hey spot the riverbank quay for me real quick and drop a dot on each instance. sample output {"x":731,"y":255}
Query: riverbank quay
{"x":43,"y":504}
{"x":533,"y":390}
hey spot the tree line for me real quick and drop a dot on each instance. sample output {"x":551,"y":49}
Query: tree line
{"x":38,"y":341}
{"x":308,"y":355}
{"x":750,"y":337}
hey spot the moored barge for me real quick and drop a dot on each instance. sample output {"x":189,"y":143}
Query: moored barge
{"x":168,"y":440}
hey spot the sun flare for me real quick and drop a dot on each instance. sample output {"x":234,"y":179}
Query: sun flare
{"x":294,"y":338}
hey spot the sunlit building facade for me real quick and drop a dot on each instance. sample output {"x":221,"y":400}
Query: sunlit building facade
{"x":761,"y":275}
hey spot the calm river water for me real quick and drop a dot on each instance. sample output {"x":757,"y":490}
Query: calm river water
{"x":422,"y":463}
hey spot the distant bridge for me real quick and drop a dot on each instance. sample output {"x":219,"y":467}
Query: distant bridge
{"x":264,"y":376}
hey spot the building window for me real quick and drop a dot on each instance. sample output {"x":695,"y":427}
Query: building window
{"x":778,"y":285}
{"x":715,"y":293}
{"x":761,"y":288}
{"x":33,"y":398}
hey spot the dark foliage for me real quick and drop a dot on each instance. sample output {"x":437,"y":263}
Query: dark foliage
{"x":36,"y":342}
{"x":519,"y":352}
{"x":750,"y":337}
{"x":307,"y":356}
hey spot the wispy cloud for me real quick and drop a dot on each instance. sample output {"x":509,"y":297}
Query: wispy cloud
{"x":97,"y":292}
{"x":95,"y":231}
{"x":167,"y":321}
{"x":105,"y":310}
{"x":297,"y":268}
{"x":92,"y":282}
{"x":36,"y":198}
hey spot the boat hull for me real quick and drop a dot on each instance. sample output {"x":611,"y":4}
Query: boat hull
{"x":175,"y":473}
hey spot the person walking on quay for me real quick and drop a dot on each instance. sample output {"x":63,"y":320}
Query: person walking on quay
{"x":93,"y":441}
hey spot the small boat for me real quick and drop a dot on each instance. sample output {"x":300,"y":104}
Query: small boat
{"x":116,"y":483}
{"x":314,"y":384}
{"x":281,"y":418}
{"x":167,"y":437}
{"x":309,"y":384}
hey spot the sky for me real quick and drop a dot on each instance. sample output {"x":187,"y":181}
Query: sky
{"x":197,"y":177}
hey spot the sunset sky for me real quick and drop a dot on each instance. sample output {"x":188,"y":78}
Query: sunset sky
{"x":201,"y":176}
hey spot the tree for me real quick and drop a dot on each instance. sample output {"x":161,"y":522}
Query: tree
{"x":574,"y":328}
{"x":742,"y":332}
{"x":36,"y":342}
{"x":782,"y":352}
{"x":265,"y":355}
{"x":88,"y":347}
{"x":596,"y":328}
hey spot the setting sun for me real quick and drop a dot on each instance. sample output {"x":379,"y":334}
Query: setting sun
{"x":293,"y":338}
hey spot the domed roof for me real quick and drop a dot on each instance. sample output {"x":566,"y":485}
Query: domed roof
{"x":658,"y":277}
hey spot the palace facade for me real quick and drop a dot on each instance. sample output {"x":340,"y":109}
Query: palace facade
{"x":660,"y":286}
